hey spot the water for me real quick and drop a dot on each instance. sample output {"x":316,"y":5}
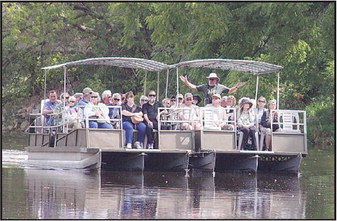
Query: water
{"x":31,"y":193}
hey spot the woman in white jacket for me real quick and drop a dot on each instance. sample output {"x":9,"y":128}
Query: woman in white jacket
{"x":98,"y":113}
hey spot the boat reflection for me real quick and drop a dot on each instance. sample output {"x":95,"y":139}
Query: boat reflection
{"x":53,"y":194}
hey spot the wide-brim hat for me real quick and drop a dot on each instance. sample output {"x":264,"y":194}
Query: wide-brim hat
{"x":246,"y":101}
{"x":187,"y":95}
{"x":216,"y":95}
{"x":195,"y":96}
{"x":180,"y":96}
{"x":213,"y":75}
{"x":87,"y":90}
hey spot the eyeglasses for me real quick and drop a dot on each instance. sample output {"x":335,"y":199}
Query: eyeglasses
{"x":142,"y":100}
{"x":152,"y":95}
{"x":213,"y":79}
{"x":66,"y":97}
{"x":188,"y":99}
{"x":94,"y":97}
{"x":180,"y":98}
{"x":72,"y":101}
{"x":116,"y":99}
{"x":262,"y":101}
{"x":173,"y":100}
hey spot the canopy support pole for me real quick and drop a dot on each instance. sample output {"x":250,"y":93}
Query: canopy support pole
{"x":45,"y":85}
{"x":177,"y":80}
{"x":64,"y":80}
{"x":158,"y":86}
{"x":257,"y":86}
{"x":167,"y":76}
{"x":278,"y":89}
{"x":145,"y":83}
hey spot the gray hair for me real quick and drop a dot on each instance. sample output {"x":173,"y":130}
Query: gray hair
{"x":106,"y":93}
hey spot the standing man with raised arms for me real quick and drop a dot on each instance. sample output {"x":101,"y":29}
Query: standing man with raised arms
{"x":212,"y":87}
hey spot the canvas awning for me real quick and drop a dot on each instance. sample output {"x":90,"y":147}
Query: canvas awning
{"x":247,"y":66}
{"x":123,"y":62}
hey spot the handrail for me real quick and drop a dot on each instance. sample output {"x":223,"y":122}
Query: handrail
{"x":80,"y":118}
{"x":173,"y":115}
{"x":227,"y":121}
{"x":298,"y":115}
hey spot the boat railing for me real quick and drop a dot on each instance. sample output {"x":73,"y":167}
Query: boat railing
{"x":212,"y":118}
{"x":64,"y":123}
{"x":292,"y":131}
{"x":116,"y":121}
{"x":177,"y":128}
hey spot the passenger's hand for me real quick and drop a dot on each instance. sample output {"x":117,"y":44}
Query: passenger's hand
{"x":150,"y":124}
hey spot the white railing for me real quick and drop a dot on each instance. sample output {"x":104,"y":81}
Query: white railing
{"x":174,"y":117}
{"x":291,"y":121}
{"x":40,"y":124}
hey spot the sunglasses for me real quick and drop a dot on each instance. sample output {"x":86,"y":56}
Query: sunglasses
{"x":188,"y":99}
{"x":152,"y":95}
{"x":213,"y":79}
{"x":72,"y":101}
{"x":94,"y":97}
{"x":180,"y":98}
{"x":144,"y":100}
{"x":116,"y":99}
{"x":262,"y":101}
{"x":66,"y":97}
{"x":173,"y":100}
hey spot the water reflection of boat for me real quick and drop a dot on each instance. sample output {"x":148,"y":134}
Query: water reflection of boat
{"x":59,"y":194}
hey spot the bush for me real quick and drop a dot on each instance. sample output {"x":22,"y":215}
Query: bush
{"x":321,"y":124}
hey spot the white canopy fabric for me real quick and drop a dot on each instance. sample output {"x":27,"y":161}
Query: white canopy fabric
{"x":247,"y":66}
{"x":123,"y":62}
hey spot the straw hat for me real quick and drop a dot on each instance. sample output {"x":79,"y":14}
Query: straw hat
{"x":213,"y":75}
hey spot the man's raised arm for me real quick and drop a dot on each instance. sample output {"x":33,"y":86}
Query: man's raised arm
{"x":187,"y":83}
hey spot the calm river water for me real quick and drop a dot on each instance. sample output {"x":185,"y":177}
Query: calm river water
{"x":30,"y":193}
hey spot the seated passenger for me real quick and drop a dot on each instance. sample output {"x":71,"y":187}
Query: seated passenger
{"x":116,"y":110}
{"x":143,"y":100}
{"x":150,"y":111}
{"x":224,"y":103}
{"x":231,"y":102}
{"x":196,"y":99}
{"x":129,"y":109}
{"x":72,"y":114}
{"x":78,"y":96}
{"x":266,"y":123}
{"x":260,"y":109}
{"x":97,"y":113}
{"x":60,"y":108}
{"x":190,"y":113}
{"x":165,"y":115}
{"x":106,"y":97}
{"x":214,"y":115}
{"x":49,"y":107}
{"x":86,"y":97}
{"x":246,"y":123}
{"x":173,"y":100}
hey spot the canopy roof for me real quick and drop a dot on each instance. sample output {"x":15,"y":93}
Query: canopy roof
{"x":123,"y":62}
{"x":252,"y":67}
